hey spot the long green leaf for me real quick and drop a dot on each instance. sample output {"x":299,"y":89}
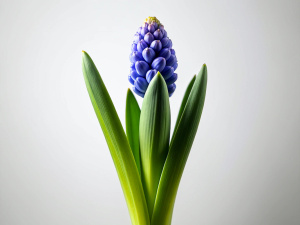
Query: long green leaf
{"x":132,"y":126}
{"x":154,"y":136}
{"x":183,"y":102}
{"x":117,"y":143}
{"x":179,"y":150}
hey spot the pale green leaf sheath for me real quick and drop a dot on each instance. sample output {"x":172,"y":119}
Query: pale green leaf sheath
{"x":179,"y":150}
{"x":154,"y":136}
{"x":132,"y":126}
{"x":117,"y":143}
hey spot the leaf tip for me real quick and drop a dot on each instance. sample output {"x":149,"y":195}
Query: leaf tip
{"x":204,"y":67}
{"x":84,"y":53}
{"x":128,"y":91}
{"x":159,"y":76}
{"x":158,"y":73}
{"x":203,"y":71}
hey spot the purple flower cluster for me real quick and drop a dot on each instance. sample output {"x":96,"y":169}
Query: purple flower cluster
{"x":152,"y":52}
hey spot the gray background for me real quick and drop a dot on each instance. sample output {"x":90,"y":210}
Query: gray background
{"x":55,"y":167}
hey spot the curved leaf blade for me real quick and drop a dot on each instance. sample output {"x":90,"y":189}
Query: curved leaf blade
{"x":132,"y":115}
{"x":154,"y":136}
{"x":179,"y":151}
{"x":117,"y":143}
{"x":183,"y":102}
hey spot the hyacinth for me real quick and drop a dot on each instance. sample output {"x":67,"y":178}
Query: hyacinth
{"x":152,"y":52}
{"x":148,"y":160}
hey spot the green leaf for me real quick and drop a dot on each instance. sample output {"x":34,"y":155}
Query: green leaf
{"x":154,"y":136}
{"x":117,"y":143}
{"x":179,"y":151}
{"x":132,"y":126}
{"x":184,"y":100}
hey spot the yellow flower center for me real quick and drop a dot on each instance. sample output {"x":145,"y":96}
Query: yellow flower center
{"x":152,"y":19}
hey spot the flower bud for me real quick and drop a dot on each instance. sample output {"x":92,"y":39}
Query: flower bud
{"x":141,"y":67}
{"x":171,"y":60}
{"x":130,"y":80}
{"x":137,"y":38}
{"x":158,"y":34}
{"x":144,"y":31}
{"x":156,"y":45}
{"x":150,"y":74}
{"x":134,"y":74}
{"x":151,"y":28}
{"x":167,"y":72}
{"x":148,"y":54}
{"x":149,"y":38}
{"x":141,"y":45}
{"x":162,"y":30}
{"x":159,"y":64}
{"x":155,"y":25}
{"x":175,"y":65}
{"x":165,"y":34}
{"x":135,"y":56}
{"x":172,"y":79}
{"x":164,"y":42}
{"x":165,"y":52}
{"x":141,"y":84}
{"x":169,"y":44}
{"x":138,"y":92}
{"x":132,"y":65}
{"x":133,"y":47}
{"x":172,"y":51}
{"x":171,"y":89}
{"x":139,"y":30}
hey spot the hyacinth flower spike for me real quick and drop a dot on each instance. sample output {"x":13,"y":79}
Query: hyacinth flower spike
{"x":152,"y":52}
{"x":149,"y":163}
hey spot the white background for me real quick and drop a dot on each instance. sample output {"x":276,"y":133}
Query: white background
{"x":244,"y":167}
